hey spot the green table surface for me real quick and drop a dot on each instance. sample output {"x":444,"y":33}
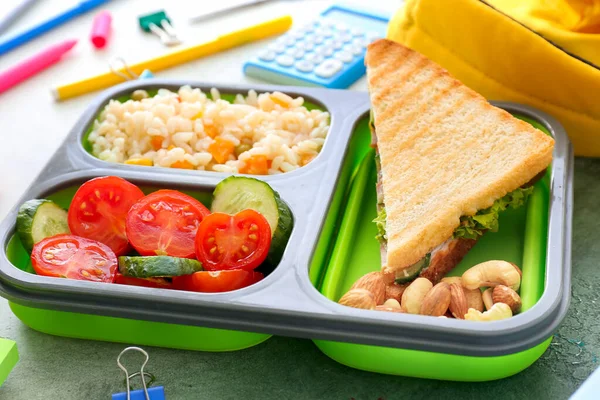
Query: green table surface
{"x":285,"y":368}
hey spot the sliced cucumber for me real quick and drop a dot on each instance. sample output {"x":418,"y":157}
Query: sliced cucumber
{"x":238,"y":193}
{"x":157,"y":266}
{"x":38,"y":219}
{"x":411,"y":273}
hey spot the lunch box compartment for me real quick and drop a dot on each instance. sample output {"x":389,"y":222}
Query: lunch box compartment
{"x":85,"y":148}
{"x":299,"y":297}
{"x":122,"y":329}
{"x":522,"y":239}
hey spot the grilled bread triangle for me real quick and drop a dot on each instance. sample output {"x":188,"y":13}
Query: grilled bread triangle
{"x":445,"y":151}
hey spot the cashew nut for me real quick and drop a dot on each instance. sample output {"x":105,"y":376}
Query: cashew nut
{"x":414,"y":294}
{"x":452,"y":279}
{"x":497,"y":312}
{"x":392,"y":303}
{"x":487,"y":298}
{"x":490,"y":274}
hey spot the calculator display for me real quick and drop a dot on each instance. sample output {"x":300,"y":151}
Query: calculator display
{"x":353,"y":19}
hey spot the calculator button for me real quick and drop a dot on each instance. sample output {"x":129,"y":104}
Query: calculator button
{"x":277,"y":47}
{"x":267,"y":55}
{"x":295,"y":52}
{"x":289,"y":41}
{"x":304,"y":66}
{"x":337,"y":44}
{"x":325,"y":51}
{"x":356,"y":32}
{"x":361,"y":42}
{"x":345,"y":37}
{"x":344,"y":56}
{"x":297,"y":34}
{"x":341,"y":27}
{"x":354,"y":49}
{"x":328,"y":68}
{"x":318,"y":39}
{"x":324,"y":32}
{"x":327,"y":23}
{"x":314,"y":58}
{"x":285,"y":61}
{"x":306,"y":46}
{"x":286,"y":40}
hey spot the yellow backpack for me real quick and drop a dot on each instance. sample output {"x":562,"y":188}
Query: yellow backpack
{"x":551,"y":68}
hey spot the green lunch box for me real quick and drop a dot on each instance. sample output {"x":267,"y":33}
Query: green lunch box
{"x":332,"y":244}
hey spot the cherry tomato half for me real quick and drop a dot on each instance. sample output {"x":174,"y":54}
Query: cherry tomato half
{"x":159,"y":283}
{"x":99,"y":209}
{"x":74,"y":257}
{"x":216,"y":281}
{"x":165,"y":223}
{"x":239,"y":241}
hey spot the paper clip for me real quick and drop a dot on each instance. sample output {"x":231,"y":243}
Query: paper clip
{"x":154,"y":393}
{"x":125,"y":72}
{"x":160,"y":24}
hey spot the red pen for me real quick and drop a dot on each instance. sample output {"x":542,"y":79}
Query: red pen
{"x":31,"y":66}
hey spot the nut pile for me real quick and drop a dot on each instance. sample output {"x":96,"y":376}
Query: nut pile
{"x":485,"y":292}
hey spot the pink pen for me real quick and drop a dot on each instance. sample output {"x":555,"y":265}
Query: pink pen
{"x":31,"y":66}
{"x":101,"y":29}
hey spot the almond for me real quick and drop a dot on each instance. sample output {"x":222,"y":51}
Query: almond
{"x":359,"y":298}
{"x":437,"y":300}
{"x":395,"y":291}
{"x":374,"y":283}
{"x":487,"y":298}
{"x":458,"y":301}
{"x":504,"y":294}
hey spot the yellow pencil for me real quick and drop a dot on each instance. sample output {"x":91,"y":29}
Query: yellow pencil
{"x":177,"y":57}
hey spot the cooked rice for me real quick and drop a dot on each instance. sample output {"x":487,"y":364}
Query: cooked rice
{"x":177,"y":130}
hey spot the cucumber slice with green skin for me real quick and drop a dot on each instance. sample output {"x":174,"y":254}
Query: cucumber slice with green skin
{"x":238,"y":193}
{"x":411,"y":273}
{"x":38,"y":219}
{"x":157,"y":266}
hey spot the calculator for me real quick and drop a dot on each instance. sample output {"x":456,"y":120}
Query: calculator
{"x":327,"y":52}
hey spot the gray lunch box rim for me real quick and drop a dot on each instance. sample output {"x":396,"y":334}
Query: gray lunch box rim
{"x":251,"y":309}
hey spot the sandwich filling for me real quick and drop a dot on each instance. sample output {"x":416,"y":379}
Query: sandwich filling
{"x":464,"y":236}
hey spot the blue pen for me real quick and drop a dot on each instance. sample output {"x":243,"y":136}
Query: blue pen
{"x":15,"y":14}
{"x":50,"y":24}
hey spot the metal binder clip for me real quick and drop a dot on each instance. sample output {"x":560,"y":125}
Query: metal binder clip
{"x":119,"y":67}
{"x":159,"y":24}
{"x":155,"y":393}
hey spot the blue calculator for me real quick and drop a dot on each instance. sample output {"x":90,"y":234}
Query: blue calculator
{"x":327,"y":52}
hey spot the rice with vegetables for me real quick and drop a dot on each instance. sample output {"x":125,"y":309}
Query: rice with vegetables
{"x":260,"y":134}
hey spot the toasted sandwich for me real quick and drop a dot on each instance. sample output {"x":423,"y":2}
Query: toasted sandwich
{"x":448,"y":162}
